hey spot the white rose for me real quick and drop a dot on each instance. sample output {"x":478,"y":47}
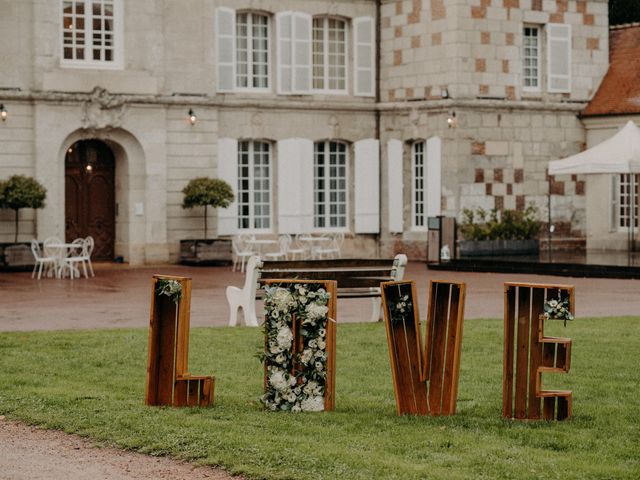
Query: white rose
{"x":310,"y":387}
{"x":322,"y":332}
{"x":296,"y":408}
{"x":553,"y":303}
{"x":278,"y":381}
{"x":312,"y":404}
{"x":282,"y":299}
{"x":284,"y":338}
{"x":307,"y":355}
{"x":316,"y":312}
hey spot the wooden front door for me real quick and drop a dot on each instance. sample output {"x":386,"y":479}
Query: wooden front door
{"x":90,"y":196}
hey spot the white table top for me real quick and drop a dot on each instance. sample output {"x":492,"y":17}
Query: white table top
{"x":264,"y":241}
{"x":63,"y":245}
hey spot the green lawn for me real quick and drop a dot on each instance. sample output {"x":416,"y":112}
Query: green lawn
{"x":92,"y":383}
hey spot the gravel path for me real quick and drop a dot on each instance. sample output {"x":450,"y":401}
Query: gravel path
{"x":30,"y":453}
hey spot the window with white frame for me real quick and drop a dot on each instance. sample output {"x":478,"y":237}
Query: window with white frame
{"x":627,"y":200}
{"x":252,"y":50}
{"x":531,"y":58}
{"x":329,"y":54}
{"x":330,"y":185}
{"x":254,"y":185}
{"x":556,"y":77}
{"x":418,"y":186}
{"x":91,"y":33}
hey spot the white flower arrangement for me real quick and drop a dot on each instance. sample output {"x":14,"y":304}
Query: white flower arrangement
{"x":302,"y":391}
{"x":400,"y":308}
{"x":170,"y":288}
{"x":558,"y":309}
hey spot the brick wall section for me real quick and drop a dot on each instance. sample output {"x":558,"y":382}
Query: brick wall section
{"x":425,"y":41}
{"x":509,"y":155}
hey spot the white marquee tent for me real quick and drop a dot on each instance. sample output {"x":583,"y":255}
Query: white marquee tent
{"x":616,"y":155}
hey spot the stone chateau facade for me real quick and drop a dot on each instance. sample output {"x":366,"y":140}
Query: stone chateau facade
{"x":359,"y":116}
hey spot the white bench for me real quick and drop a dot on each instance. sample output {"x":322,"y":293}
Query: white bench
{"x":357,"y":278}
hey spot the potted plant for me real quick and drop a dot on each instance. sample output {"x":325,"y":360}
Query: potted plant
{"x":206,"y":192}
{"x":16,"y":193}
{"x":494,"y":233}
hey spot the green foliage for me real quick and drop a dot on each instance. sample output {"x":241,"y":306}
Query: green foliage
{"x":204,"y":191}
{"x":624,"y":11}
{"x":92,"y":383}
{"x":20,"y":192}
{"x":207,"y":192}
{"x":496,"y":225}
{"x":170,"y":288}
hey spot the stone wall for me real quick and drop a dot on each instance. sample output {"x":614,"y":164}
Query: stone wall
{"x":474,"y":48}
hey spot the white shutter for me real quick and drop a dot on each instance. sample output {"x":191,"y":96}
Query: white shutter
{"x":434,"y":176}
{"x":364,"y":56}
{"x":295,"y":185}
{"x":301,"y":55}
{"x":226,"y":49}
{"x":284,"y":33}
{"x":559,"y":57}
{"x":367,"y":186}
{"x":228,"y":171}
{"x":395,"y":194}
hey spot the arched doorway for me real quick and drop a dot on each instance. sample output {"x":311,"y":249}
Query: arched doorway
{"x":90,"y":195}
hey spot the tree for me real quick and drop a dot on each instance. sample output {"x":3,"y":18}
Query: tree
{"x":624,"y":11}
{"x":21,"y":192}
{"x":205,"y":192}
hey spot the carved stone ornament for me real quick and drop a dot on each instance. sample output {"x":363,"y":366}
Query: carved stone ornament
{"x":102,"y":111}
{"x":334,"y":124}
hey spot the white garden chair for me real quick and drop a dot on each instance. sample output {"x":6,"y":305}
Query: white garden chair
{"x":89,"y":245}
{"x":283,"y":249}
{"x":240,"y":252}
{"x":298,"y":252}
{"x":44,"y":263}
{"x":334,"y":249}
{"x":76,"y":259}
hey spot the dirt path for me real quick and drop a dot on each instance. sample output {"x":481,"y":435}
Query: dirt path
{"x":29,"y":453}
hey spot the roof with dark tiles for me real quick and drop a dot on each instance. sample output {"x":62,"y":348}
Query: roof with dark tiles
{"x":619,"y":92}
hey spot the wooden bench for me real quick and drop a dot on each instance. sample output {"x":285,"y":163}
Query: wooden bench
{"x":356,"y":278}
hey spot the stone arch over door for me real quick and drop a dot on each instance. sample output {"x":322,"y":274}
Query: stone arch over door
{"x":90,"y":207}
{"x":129,"y":188}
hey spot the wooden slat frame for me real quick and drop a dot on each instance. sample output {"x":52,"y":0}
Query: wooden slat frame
{"x":532,"y":353}
{"x":168,"y":379}
{"x":443,"y":344}
{"x":405,"y":351}
{"x":330,"y":339}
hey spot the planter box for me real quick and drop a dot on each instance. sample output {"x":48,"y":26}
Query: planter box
{"x":16,"y":256}
{"x":205,"y":252}
{"x":489,"y":248}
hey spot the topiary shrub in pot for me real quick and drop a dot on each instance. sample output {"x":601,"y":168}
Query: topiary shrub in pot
{"x":16,"y":193}
{"x":206,"y":192}
{"x":494,"y":233}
